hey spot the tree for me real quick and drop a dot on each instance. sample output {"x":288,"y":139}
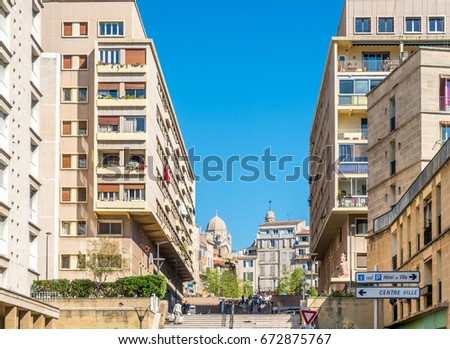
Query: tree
{"x":103,"y":258}
{"x":290,"y":282}
{"x":223,"y":283}
{"x":283,"y":286}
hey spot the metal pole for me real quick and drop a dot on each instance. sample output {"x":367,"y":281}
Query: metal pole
{"x":375,"y":308}
{"x":46,"y":255}
{"x":352,"y":228}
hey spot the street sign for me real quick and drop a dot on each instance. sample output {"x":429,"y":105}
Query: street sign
{"x":388,"y":277}
{"x":387,"y":292}
{"x":308,"y":315}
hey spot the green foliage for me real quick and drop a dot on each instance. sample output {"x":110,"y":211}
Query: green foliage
{"x":224,"y":283}
{"x":82,"y":288}
{"x":290,"y":282}
{"x":132,"y":286}
{"x":145,"y":286}
{"x":313,"y":292}
{"x":61,"y":286}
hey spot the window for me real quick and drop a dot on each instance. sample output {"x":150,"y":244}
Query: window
{"x":413,"y":25}
{"x":108,"y":124}
{"x":73,"y":262}
{"x":392,"y":158}
{"x":75,"y":29}
{"x":361,"y":226}
{"x":386,"y":25}
{"x":376,"y":61}
{"x":352,"y":152}
{"x":108,"y":192}
{"x":109,"y":228}
{"x":357,"y":86}
{"x":134,"y":124}
{"x":272,"y":243}
{"x":74,"y":95}
{"x":110,"y":29}
{"x":108,"y":90}
{"x":74,"y":128}
{"x":427,"y":234}
{"x":111,"y":160}
{"x":445,"y":131}
{"x":392,"y":113}
{"x":74,"y":161}
{"x":436,"y":24}
{"x":109,"y":56}
{"x":73,"y":228}
{"x":135,"y":89}
{"x":134,"y":192}
{"x":73,"y":195}
{"x":362,"y":25}
{"x":444,"y":94}
{"x":75,"y":62}
{"x":135,"y":56}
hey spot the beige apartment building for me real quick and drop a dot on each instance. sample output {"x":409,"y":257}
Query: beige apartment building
{"x":374,"y":37}
{"x":22,"y":187}
{"x":123,"y":167}
{"x":409,"y":178}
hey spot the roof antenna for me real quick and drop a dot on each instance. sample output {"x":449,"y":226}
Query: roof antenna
{"x":270,"y":205}
{"x":289,"y":216}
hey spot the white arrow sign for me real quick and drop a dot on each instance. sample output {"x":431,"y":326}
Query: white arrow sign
{"x":387,"y":292}
{"x":388,"y":277}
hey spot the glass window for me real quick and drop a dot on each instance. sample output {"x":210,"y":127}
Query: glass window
{"x":386,"y":25}
{"x":346,"y":86}
{"x":82,"y":161}
{"x":109,"y":228}
{"x":81,"y":229}
{"x":111,"y":29}
{"x":134,"y":194}
{"x":82,"y":95}
{"x":374,"y":83}
{"x":361,"y":226}
{"x":445,"y":132}
{"x":82,"y":197}
{"x":134,"y":124}
{"x":413,"y":25}
{"x":361,"y":86}
{"x":65,"y":262}
{"x":110,"y":56}
{"x":65,"y":228}
{"x":67,"y":94}
{"x":436,"y":24}
{"x":362,"y":25}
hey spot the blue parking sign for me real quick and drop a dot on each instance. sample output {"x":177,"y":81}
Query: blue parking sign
{"x":378,"y":277}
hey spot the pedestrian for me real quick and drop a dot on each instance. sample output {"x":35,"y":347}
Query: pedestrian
{"x":177,"y":311}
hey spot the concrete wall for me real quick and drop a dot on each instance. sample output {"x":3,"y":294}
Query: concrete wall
{"x":109,"y":313}
{"x":342,"y":313}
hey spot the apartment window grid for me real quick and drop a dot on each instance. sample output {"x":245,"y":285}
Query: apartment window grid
{"x":74,"y":195}
{"x":74,"y":62}
{"x":75,"y":95}
{"x":386,"y":25}
{"x":74,"y":128}
{"x":74,"y":162}
{"x":436,"y":24}
{"x":413,"y":25}
{"x":362,"y":25}
{"x":72,"y":262}
{"x":73,"y":228}
{"x":109,"y":56}
{"x":109,"y":228}
{"x":445,"y":131}
{"x":75,"y":29}
{"x":110,"y":29}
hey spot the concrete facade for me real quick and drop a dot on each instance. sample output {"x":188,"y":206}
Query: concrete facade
{"x":122,"y":163}
{"x":373,"y":39}
{"x":413,"y":233}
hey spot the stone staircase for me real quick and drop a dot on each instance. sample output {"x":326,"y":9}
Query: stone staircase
{"x":272,"y":321}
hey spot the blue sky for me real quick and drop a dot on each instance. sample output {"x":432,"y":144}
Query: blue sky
{"x":244,"y":76}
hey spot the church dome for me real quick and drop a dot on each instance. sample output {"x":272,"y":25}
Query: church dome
{"x":216,"y":224}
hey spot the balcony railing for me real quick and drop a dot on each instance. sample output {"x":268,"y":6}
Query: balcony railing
{"x":367,"y":65}
{"x":353,"y":167}
{"x":121,"y":68}
{"x":354,"y":201}
{"x":352,"y":134}
{"x":354,"y":100}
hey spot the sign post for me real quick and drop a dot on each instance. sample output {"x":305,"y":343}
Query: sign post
{"x":388,"y":277}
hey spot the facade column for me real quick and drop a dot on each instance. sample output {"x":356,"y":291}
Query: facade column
{"x":39,"y":322}
{"x":11,"y":318}
{"x":49,"y":323}
{"x":25,"y":320}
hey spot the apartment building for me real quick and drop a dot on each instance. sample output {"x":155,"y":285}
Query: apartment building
{"x":281,"y":248}
{"x":22,"y":187}
{"x":247,"y":266}
{"x":373,"y":39}
{"x":408,"y":158}
{"x":124,"y":173}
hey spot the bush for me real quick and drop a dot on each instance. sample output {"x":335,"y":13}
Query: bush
{"x":111,"y":289}
{"x":82,"y":288}
{"x":60,"y":286}
{"x":144,"y":286}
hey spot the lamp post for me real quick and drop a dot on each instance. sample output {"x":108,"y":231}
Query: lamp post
{"x":352,"y":229}
{"x":46,"y":254}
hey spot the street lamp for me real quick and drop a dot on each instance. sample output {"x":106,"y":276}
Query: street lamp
{"x":46,"y":254}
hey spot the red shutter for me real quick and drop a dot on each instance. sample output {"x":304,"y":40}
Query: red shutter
{"x":135,"y":86}
{"x":67,"y":62}
{"x":67,"y":29}
{"x":66,"y":161}
{"x":67,"y":128}
{"x":108,"y":188}
{"x":108,"y":120}
{"x":134,"y":186}
{"x":83,"y":62}
{"x":65,"y":194}
{"x":84,"y":28}
{"x":135,"y":56}
{"x":102,"y":86}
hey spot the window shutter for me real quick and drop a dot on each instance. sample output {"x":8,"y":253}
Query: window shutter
{"x":65,"y":194}
{"x":67,"y":29}
{"x":82,"y":125}
{"x":81,"y":194}
{"x":67,"y":128}
{"x":84,"y":28}
{"x":134,"y":186}
{"x":108,"y":188}
{"x":135,"y":86}
{"x":67,"y":62}
{"x":108,"y":120}
{"x":83,"y":61}
{"x":108,"y":86}
{"x":135,"y":56}
{"x":66,"y":161}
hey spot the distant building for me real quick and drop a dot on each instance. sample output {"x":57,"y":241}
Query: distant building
{"x":246,"y":266}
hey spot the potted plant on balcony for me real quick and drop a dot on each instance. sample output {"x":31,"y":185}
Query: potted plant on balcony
{"x":135,"y":166}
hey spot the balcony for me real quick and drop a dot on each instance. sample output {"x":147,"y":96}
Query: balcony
{"x":353,"y":167}
{"x":352,"y":134}
{"x":354,"y":201}
{"x":352,"y":100}
{"x":365,"y":65}
{"x":120,"y":170}
{"x":121,"y":136}
{"x":120,"y":205}
{"x":121,"y":68}
{"x":121,"y":102}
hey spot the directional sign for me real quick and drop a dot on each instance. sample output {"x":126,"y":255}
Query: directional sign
{"x":387,"y":292}
{"x":388,"y":277}
{"x":308,"y":315}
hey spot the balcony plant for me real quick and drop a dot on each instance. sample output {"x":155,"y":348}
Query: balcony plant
{"x":135,"y":166}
